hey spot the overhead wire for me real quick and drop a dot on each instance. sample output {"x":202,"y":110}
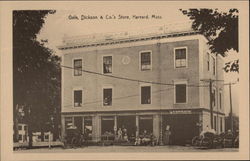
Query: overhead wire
{"x":128,"y":79}
{"x":117,"y":98}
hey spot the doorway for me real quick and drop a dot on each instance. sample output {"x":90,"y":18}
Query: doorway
{"x":127,"y":122}
{"x":146,"y":123}
{"x":78,"y":123}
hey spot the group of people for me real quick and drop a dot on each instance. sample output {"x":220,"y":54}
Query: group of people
{"x":122,"y":134}
{"x":145,"y":139}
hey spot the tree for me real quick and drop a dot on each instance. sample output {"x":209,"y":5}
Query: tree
{"x":36,"y":71}
{"x":221,"y":29}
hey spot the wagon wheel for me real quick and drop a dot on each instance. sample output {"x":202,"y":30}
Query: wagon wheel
{"x":207,"y":142}
{"x":73,"y":142}
{"x":81,"y":141}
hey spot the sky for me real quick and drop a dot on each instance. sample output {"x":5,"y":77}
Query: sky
{"x":64,"y":23}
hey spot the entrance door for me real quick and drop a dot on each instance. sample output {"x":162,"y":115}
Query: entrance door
{"x":107,"y":124}
{"x":183,"y":127}
{"x":146,"y":123}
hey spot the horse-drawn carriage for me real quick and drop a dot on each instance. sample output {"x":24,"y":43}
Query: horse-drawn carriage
{"x":209,"y":139}
{"x":74,"y":138}
{"x":231,"y":140}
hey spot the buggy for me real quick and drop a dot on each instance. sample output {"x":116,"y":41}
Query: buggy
{"x":74,"y":138}
{"x":207,"y":139}
{"x":231,"y":140}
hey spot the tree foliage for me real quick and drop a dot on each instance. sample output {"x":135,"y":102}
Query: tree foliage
{"x":221,"y":29}
{"x":36,"y":70}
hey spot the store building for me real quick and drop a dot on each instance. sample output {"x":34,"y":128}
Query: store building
{"x":141,"y":82}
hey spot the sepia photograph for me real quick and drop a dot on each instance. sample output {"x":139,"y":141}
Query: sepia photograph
{"x":126,"y":78}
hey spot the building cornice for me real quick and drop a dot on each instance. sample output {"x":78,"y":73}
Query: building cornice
{"x":128,"y":40}
{"x":137,"y":111}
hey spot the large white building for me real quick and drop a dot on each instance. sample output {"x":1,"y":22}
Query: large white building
{"x":141,"y":82}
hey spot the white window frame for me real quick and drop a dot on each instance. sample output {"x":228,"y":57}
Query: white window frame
{"x":73,"y":96}
{"x":176,"y":82}
{"x":73,"y":67}
{"x":221,"y":124}
{"x":151,"y":98}
{"x":220,"y":99}
{"x":107,"y":87}
{"x":184,"y":47}
{"x":111,"y":61}
{"x":151,"y":60}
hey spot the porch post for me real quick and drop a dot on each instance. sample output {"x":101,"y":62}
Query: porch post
{"x":62,"y":127}
{"x":156,"y":126}
{"x":83,"y":129}
{"x":115,"y":124}
{"x":137,"y":125}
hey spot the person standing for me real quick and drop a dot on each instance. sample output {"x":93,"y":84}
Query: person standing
{"x":119,"y":133}
{"x":167,"y":135}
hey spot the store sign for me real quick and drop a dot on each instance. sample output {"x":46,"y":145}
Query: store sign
{"x":146,"y":117}
{"x":180,"y":112}
{"x":107,"y":118}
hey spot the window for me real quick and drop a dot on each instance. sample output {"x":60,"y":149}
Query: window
{"x":107,"y":64}
{"x":25,"y":128}
{"x":214,"y":97}
{"x":107,"y":97}
{"x":145,"y":60}
{"x":46,"y":137}
{"x":107,"y":126}
{"x":221,"y":126}
{"x":77,"y":67}
{"x":146,"y":95}
{"x":215,"y":123}
{"x":88,"y":126}
{"x":180,"y":58}
{"x":180,"y":93}
{"x":220,"y":98}
{"x":20,"y":137}
{"x":77,"y":98}
{"x":213,"y":65}
{"x":208,"y":61}
{"x":68,"y":122}
{"x":19,"y":127}
{"x":24,"y":138}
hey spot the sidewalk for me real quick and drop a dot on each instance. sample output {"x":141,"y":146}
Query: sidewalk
{"x":124,"y":149}
{"x":38,"y":144}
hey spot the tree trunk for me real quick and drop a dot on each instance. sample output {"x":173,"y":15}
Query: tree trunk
{"x":42,"y":133}
{"x":30,"y":135}
{"x":15,"y":128}
{"x":30,"y":130}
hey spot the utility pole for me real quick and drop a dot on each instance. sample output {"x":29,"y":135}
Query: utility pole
{"x":210,"y":99}
{"x":231,"y":108}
